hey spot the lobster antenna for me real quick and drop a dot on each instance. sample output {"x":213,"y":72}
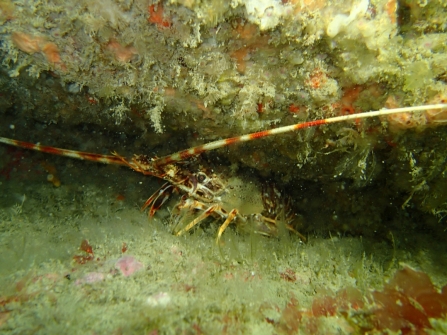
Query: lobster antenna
{"x":106,"y":159}
{"x":188,"y":153}
{"x":194,"y":151}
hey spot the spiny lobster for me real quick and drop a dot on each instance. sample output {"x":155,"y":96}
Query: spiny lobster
{"x":204,"y":191}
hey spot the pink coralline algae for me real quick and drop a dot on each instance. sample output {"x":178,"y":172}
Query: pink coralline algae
{"x":128,"y":265}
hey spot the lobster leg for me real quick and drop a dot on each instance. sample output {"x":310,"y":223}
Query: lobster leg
{"x":269,"y":227}
{"x":158,"y":198}
{"x":207,"y":211}
{"x":210,"y":210}
{"x":231,"y":216}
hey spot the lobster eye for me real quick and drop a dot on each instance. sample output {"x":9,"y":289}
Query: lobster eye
{"x":201,"y":177}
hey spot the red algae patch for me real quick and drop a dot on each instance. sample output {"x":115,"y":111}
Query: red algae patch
{"x":405,"y":305}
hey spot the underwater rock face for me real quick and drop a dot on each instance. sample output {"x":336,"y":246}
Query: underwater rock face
{"x":181,"y":73}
